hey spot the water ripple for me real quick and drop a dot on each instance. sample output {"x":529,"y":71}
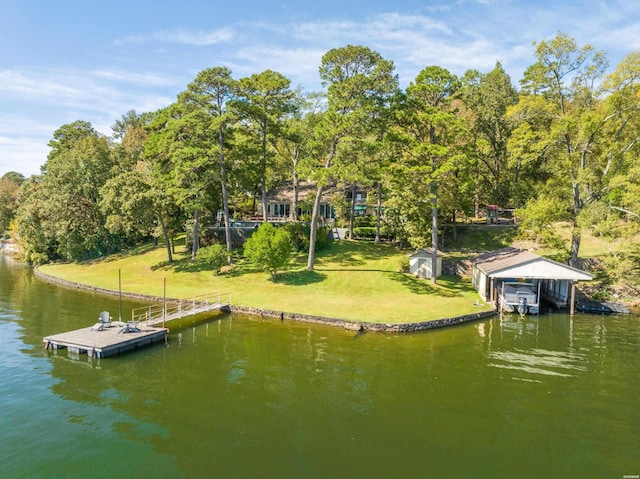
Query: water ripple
{"x":539,"y":361}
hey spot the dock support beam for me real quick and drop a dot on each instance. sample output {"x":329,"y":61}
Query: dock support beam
{"x":572,"y":302}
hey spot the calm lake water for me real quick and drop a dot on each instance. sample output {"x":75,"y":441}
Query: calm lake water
{"x":235,"y":397}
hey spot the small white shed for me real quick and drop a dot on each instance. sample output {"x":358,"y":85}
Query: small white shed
{"x":420,"y":263}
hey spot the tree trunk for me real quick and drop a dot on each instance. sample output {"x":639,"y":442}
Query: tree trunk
{"x":316,"y":207}
{"x":575,"y":234}
{"x":253,"y":204}
{"x":517,"y":174}
{"x":454,"y":233}
{"x":263,"y":167}
{"x":294,"y":202}
{"x":378,"y":210}
{"x":575,"y":246}
{"x":195,"y":240}
{"x":434,"y":240}
{"x":433,"y":187}
{"x":225,"y":196}
{"x":352,"y":212}
{"x":314,"y":228}
{"x":165,"y":234}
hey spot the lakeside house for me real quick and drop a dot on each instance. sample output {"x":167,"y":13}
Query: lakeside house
{"x":280,"y":202}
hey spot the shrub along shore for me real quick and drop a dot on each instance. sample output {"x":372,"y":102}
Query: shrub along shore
{"x":354,"y":285}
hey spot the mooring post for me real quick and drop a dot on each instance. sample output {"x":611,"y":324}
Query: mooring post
{"x":572,"y":306}
{"x":119,"y":297}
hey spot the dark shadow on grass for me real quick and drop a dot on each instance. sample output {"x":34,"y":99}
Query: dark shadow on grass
{"x":354,"y":253}
{"x":183,"y":265}
{"x":448,"y":286}
{"x":300,"y":278}
{"x":187,"y":265}
{"x":473,"y":238}
{"x":356,"y":270}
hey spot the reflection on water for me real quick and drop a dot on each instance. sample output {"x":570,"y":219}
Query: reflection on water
{"x":534,"y":361}
{"x":246,"y":397}
{"x":538,"y":361}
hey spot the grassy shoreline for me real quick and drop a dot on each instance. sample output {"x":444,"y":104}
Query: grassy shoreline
{"x":352,"y":280}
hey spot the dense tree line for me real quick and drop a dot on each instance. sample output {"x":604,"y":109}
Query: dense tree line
{"x":563,"y":146}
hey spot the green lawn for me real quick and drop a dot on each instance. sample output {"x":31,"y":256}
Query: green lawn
{"x":351,"y":280}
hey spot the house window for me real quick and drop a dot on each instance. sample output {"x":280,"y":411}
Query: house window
{"x":326,"y":211}
{"x":281,"y":209}
{"x":360,"y":196}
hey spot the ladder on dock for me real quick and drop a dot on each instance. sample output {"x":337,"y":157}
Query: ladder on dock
{"x":171,"y":309}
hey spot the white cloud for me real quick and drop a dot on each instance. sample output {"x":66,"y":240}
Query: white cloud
{"x":298,"y":64}
{"x":22,"y":154}
{"x":86,"y":91}
{"x":41,"y":87}
{"x":36,"y":102}
{"x":140,"y":79}
{"x":197,"y":38}
{"x":413,"y":42}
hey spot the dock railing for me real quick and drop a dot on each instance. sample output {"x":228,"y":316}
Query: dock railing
{"x":157,"y":314}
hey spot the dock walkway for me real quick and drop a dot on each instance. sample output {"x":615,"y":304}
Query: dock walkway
{"x":171,"y":309}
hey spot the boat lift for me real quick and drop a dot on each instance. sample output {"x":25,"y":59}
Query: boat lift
{"x":520,"y":297}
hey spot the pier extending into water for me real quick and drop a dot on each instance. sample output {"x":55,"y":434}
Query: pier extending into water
{"x":107,"y":337}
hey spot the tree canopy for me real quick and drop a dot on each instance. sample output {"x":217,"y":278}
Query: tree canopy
{"x":561,"y":147}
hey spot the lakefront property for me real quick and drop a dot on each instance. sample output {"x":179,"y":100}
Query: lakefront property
{"x":386,"y":277}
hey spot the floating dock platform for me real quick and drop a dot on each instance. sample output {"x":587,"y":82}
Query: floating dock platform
{"x":111,"y":339}
{"x":107,"y":338}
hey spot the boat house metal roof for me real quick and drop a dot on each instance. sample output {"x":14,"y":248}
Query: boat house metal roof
{"x":517,"y":263}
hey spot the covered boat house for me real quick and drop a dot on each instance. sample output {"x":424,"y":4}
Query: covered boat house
{"x":555,"y":281}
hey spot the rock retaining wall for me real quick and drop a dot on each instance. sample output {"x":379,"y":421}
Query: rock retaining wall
{"x":364,"y":325}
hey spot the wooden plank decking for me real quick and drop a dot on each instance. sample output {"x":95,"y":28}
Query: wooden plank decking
{"x":111,"y":339}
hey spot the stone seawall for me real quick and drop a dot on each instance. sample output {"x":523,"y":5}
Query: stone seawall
{"x":282,"y":315}
{"x":364,"y":325}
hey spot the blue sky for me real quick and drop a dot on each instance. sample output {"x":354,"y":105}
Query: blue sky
{"x":68,"y":60}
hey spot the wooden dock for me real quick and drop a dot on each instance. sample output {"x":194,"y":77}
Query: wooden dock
{"x":107,"y":338}
{"x":111,"y":339}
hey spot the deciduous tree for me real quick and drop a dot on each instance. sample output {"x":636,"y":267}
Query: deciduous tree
{"x":9,"y":189}
{"x":269,"y":248}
